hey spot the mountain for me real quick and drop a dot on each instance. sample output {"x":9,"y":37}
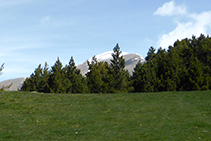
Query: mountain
{"x":16,"y":84}
{"x":130,"y":61}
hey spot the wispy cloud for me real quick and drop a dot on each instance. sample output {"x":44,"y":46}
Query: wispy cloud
{"x":195,"y":24}
{"x":169,"y":9}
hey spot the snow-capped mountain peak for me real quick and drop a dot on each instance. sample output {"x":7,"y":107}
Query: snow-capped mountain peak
{"x":130,"y":61}
{"x":105,"y":55}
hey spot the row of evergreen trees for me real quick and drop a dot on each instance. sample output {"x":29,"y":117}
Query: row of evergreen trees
{"x":101,"y":78}
{"x":184,"y":66}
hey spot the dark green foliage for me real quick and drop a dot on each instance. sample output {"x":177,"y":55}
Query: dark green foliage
{"x":57,"y":81}
{"x":118,"y":75}
{"x":38,"y":81}
{"x":103,"y":78}
{"x":185,"y":66}
{"x":144,"y":78}
{"x":97,"y":77}
{"x":26,"y":85}
{"x":77,"y":83}
{"x":33,"y":83}
{"x":45,"y":78}
{"x":150,"y":54}
{"x":138,"y":77}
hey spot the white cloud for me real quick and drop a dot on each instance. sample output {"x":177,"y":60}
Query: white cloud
{"x":182,"y":30}
{"x":203,"y":19}
{"x":169,"y":9}
{"x":195,"y":23}
{"x":198,"y":24}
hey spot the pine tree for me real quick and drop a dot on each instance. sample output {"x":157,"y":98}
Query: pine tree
{"x":197,"y":76}
{"x":94,"y":78}
{"x":150,"y":54}
{"x":202,"y":49}
{"x":78,"y":84}
{"x":57,"y":81}
{"x":26,"y":85}
{"x":45,"y":80}
{"x":137,"y":78}
{"x":160,"y":63}
{"x":144,"y":76}
{"x":118,"y":76}
{"x":37,"y":77}
{"x":172,"y":69}
{"x":104,"y":68}
{"x":33,"y":83}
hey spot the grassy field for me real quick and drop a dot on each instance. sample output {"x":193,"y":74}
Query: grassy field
{"x":182,"y":116}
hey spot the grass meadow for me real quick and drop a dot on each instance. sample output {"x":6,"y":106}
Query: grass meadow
{"x":179,"y":116}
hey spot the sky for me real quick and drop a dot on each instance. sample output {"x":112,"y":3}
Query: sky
{"x":33,"y":32}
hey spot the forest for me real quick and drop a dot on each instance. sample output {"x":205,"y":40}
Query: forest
{"x":185,"y":66}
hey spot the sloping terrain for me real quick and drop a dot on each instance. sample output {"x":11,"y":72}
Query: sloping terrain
{"x":16,"y":84}
{"x":164,"y":116}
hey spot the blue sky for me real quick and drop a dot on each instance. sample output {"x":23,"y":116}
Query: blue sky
{"x":33,"y":32}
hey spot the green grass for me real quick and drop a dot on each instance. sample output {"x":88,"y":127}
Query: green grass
{"x":169,"y":116}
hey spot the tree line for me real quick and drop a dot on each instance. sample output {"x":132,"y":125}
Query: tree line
{"x":184,"y":66}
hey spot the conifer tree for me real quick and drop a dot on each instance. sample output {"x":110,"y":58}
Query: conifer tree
{"x":160,"y":63}
{"x":144,"y":77}
{"x":26,"y":85}
{"x":138,"y":78}
{"x":97,"y":77}
{"x":93,"y":77}
{"x":104,"y":68}
{"x":38,"y":77}
{"x":118,"y":76}
{"x":150,"y":54}
{"x":172,"y":69}
{"x":57,"y":81}
{"x":45,"y":80}
{"x":197,"y":76}
{"x":78,"y":84}
{"x":33,"y":83}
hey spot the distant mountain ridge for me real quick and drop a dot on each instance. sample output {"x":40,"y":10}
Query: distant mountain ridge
{"x":130,"y":62}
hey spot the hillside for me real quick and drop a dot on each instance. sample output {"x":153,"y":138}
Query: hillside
{"x":165,"y":116}
{"x":16,"y":83}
